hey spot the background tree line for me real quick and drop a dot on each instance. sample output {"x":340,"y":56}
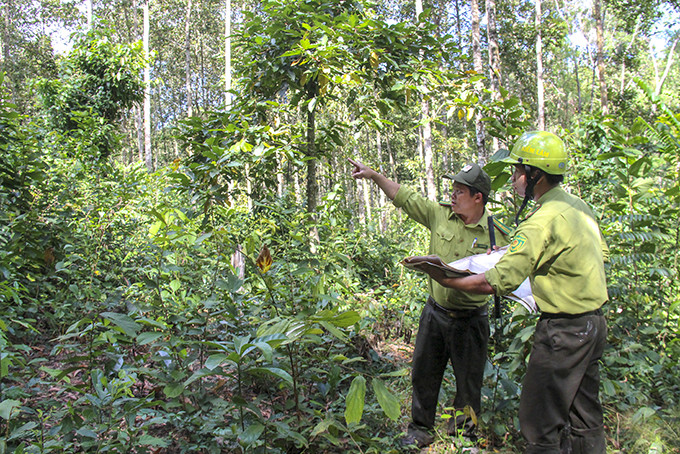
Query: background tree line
{"x":145,"y":170}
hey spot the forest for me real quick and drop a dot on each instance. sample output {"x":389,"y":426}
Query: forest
{"x":187,"y":265}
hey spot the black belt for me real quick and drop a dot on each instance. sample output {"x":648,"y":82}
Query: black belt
{"x":549,"y":315}
{"x":480,"y":311}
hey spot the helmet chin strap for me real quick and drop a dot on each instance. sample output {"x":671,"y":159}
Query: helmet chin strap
{"x":529,"y":191}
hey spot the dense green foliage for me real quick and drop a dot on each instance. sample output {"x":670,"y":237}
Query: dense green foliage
{"x":190,"y":309}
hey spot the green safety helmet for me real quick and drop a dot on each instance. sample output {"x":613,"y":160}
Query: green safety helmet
{"x":540,"y":149}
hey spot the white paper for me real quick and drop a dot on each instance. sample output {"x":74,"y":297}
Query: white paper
{"x":480,"y":263}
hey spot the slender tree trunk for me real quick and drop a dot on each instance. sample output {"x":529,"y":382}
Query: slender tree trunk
{"x":390,"y":156}
{"x":89,"y":13}
{"x":459,"y":32}
{"x":578,"y":85}
{"x":428,"y":153}
{"x":148,"y":154}
{"x":540,"y":121}
{"x":7,"y":38}
{"x":669,"y":62}
{"x":421,"y":155}
{"x":312,"y":183}
{"x":426,"y":132}
{"x":187,"y":60}
{"x":381,"y":195}
{"x":494,"y":56}
{"x":599,"y":21}
{"x":480,"y":133}
{"x":628,"y":47}
{"x":227,"y":55}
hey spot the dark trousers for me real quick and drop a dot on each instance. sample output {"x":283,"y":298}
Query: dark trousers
{"x":441,"y":338}
{"x":560,"y":409}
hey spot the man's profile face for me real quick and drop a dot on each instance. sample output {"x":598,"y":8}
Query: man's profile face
{"x":462,"y":202}
{"x":519,"y":180}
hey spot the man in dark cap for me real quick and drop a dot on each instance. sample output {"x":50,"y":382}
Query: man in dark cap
{"x":454,"y":325}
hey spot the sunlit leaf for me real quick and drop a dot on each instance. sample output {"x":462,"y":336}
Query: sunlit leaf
{"x":388,"y":401}
{"x":354,"y":403}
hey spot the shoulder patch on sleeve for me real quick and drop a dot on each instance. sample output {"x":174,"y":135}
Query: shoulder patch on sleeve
{"x":504,"y":229}
{"x":518,"y":242}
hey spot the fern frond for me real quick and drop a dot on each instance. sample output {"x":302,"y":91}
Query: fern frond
{"x":630,"y":259}
{"x":642,"y":236}
{"x":628,"y":218}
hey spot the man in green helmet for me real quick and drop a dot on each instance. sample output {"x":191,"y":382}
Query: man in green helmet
{"x":560,"y":248}
{"x":454,"y":326}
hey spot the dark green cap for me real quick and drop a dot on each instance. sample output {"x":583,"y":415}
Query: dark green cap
{"x":472,"y":175}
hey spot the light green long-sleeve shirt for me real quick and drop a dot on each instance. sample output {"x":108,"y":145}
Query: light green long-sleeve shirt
{"x":450,"y":239}
{"x":561,"y":249}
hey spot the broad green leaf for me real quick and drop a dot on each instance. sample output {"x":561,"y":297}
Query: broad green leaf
{"x":175,"y":285}
{"x":251,"y":434}
{"x":346,"y":319}
{"x":398,"y":373}
{"x":85,"y":432}
{"x":322,"y":426}
{"x":7,"y":406}
{"x":148,"y":337}
{"x":274,"y":340}
{"x":643,"y":414}
{"x":173,"y":390}
{"x":266,"y":350}
{"x":202,"y":238}
{"x":334,"y":331}
{"x":355,"y":401}
{"x":21,"y":432}
{"x":198,"y":375}
{"x":269,"y":370}
{"x":148,"y":440}
{"x":128,"y":325}
{"x":388,"y":401}
{"x":215,"y":360}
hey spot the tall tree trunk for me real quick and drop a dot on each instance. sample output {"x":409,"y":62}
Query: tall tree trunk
{"x":628,"y":47}
{"x":137,"y":111}
{"x":312,"y":183}
{"x":540,"y":120}
{"x":381,"y":194}
{"x":187,"y":60}
{"x":148,"y":153}
{"x":426,"y":133}
{"x":428,"y":153}
{"x":7,"y":38}
{"x":90,"y":14}
{"x":599,"y":21}
{"x":494,"y":56}
{"x":425,"y":130}
{"x":227,"y":55}
{"x":459,"y":33}
{"x":578,"y":85}
{"x":480,"y":133}
{"x":669,"y":62}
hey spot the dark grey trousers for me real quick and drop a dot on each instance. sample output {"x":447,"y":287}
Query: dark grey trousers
{"x":560,"y":409}
{"x":442,"y":338}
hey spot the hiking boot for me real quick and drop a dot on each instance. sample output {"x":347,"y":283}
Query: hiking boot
{"x":416,"y":438}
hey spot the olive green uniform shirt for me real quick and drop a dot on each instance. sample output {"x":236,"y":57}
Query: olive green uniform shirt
{"x":450,"y":239}
{"x":560,"y":247}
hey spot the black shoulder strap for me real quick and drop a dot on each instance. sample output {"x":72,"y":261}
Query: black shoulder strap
{"x":496,"y":298}
{"x":492,"y":232}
